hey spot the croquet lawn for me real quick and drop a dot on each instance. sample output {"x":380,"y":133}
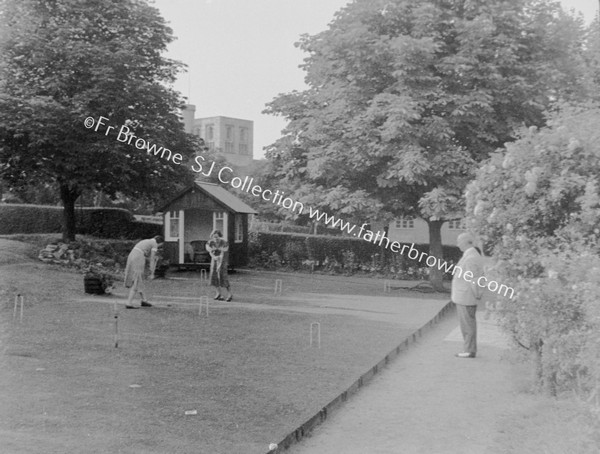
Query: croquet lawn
{"x":232,"y":381}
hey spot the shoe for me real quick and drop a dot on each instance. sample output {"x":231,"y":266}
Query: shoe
{"x":218,"y":298}
{"x":131,"y":307}
{"x":465,"y":355}
{"x":146,"y":304}
{"x":229,"y":298}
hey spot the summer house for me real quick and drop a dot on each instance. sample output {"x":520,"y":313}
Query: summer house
{"x":190,"y":217}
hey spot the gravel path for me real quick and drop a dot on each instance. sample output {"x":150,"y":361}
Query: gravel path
{"x":427,"y":401}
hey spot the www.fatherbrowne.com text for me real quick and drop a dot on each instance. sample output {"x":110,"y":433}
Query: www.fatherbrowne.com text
{"x":226,"y":175}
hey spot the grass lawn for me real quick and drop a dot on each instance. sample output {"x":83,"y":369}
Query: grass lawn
{"x":247,"y":370}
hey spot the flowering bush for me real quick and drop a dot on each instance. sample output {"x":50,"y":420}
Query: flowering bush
{"x":536,"y":207}
{"x":555,"y":315}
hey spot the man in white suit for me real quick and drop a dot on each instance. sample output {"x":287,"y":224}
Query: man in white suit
{"x":466,"y":294}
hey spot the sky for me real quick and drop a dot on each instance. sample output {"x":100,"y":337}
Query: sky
{"x":240,"y":53}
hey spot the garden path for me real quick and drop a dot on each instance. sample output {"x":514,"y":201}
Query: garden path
{"x":427,"y":401}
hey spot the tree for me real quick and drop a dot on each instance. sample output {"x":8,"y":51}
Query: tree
{"x":63,"y":61}
{"x":406,"y":97}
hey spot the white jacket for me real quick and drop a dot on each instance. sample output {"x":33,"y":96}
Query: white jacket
{"x":465,"y":290}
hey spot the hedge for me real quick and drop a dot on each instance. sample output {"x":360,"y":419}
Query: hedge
{"x":294,"y":248}
{"x":17,"y":218}
{"x":99,"y":222}
{"x":262,"y":226}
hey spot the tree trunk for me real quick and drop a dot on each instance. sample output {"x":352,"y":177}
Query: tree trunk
{"x":435,"y":249}
{"x":544,"y":377}
{"x":383,"y":249}
{"x":69,"y":196}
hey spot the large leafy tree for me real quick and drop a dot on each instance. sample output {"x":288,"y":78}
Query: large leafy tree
{"x":405,"y":97}
{"x":62,"y":61}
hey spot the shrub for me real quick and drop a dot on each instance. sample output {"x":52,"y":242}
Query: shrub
{"x":274,"y":261}
{"x":18,"y":218}
{"x":294,"y":253}
{"x":99,"y":222}
{"x":556,"y":315}
{"x":537,"y":207}
{"x":103,"y":222}
{"x":337,"y":253}
{"x":349,"y":261}
{"x":137,"y":230}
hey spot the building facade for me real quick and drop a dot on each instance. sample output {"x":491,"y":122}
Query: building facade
{"x":415,"y":230}
{"x":232,"y":138}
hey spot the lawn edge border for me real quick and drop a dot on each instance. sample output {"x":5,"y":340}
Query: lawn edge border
{"x":321,"y":416}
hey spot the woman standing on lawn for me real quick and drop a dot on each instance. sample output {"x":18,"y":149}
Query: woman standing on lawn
{"x":218,"y":248}
{"x":142,"y":253}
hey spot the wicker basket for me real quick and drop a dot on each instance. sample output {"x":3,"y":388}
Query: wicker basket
{"x":93,"y":285}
